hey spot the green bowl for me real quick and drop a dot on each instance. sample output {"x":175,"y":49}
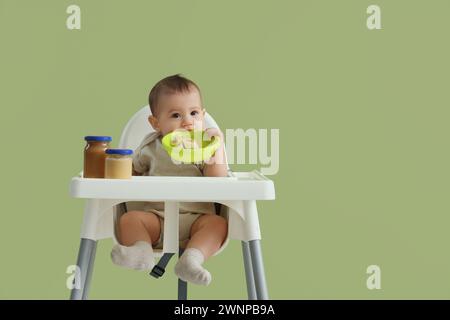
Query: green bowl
{"x":175,"y":147}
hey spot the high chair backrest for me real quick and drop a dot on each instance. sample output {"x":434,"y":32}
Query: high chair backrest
{"x":138,"y":127}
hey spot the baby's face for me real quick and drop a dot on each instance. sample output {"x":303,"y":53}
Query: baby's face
{"x":179,"y":111}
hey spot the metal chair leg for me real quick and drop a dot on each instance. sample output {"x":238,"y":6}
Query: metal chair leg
{"x":258,"y":270}
{"x":249,"y":277}
{"x":85,"y":262}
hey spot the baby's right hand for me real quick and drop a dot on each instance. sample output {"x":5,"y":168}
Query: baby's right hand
{"x":135,"y":173}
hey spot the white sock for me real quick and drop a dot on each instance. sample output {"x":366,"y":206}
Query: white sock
{"x":139,"y":256}
{"x":189,"y":267}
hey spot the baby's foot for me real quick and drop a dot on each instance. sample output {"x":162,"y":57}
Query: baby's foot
{"x":138,"y":257}
{"x":189,"y":267}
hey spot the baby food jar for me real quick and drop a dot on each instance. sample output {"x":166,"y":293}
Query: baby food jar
{"x":94,"y":156}
{"x":119,"y":164}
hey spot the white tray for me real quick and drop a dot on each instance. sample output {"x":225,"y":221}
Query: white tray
{"x":239,"y":186}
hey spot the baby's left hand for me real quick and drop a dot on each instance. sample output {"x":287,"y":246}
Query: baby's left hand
{"x":218,"y":158}
{"x":214,"y":132}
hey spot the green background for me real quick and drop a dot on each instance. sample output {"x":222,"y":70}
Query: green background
{"x":363,"y":120}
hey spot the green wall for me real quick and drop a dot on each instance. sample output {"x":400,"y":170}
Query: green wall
{"x":363,"y":119}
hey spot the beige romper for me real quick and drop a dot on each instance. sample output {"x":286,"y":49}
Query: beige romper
{"x":150,"y":159}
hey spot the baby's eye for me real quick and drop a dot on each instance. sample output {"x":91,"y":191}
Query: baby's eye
{"x":194,"y":113}
{"x":176,"y":115}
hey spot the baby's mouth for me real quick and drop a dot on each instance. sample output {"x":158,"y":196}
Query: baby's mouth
{"x":184,"y":129}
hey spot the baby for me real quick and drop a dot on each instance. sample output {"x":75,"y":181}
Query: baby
{"x":176,"y":104}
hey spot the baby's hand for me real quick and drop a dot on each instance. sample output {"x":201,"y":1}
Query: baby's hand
{"x":214,"y":132}
{"x":218,"y":157}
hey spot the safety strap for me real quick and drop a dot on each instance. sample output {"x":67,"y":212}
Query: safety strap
{"x":159,"y":269}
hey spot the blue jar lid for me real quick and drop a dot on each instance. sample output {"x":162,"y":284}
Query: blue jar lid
{"x":123,"y":152}
{"x":98,"y":138}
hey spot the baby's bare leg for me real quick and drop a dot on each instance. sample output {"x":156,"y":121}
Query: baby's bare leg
{"x":207,"y":235}
{"x":139,"y":226}
{"x":137,"y":231}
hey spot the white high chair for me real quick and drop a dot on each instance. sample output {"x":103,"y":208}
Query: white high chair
{"x":237,"y":193}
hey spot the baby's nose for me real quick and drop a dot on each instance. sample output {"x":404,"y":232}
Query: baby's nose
{"x":187,"y":125}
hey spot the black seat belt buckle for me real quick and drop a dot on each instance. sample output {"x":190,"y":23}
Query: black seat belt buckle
{"x":157,"y":271}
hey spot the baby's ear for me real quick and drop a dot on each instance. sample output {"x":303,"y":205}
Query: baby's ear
{"x":153,"y":122}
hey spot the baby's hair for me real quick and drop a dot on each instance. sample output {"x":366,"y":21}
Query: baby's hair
{"x":169,"y":85}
